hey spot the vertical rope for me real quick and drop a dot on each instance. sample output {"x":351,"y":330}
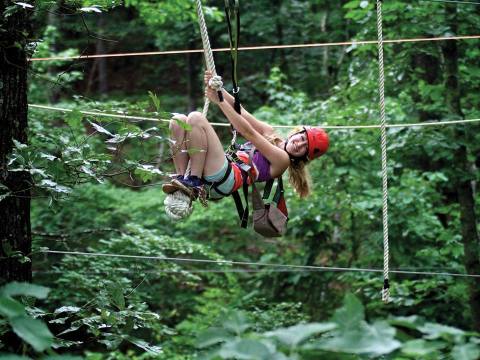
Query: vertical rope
{"x":383,"y":132}
{"x":207,"y":50}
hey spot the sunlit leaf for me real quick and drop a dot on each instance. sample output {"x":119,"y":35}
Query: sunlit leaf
{"x":213,"y":336}
{"x":466,"y":352}
{"x":294,"y":335}
{"x":10,"y":307}
{"x":25,"y":289}
{"x":32,"y":331}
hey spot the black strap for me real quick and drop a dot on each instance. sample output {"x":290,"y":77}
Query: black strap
{"x":267,"y":189}
{"x":243,"y":212}
{"x":216,"y":185}
{"x":279,"y":192}
{"x":232,"y":13}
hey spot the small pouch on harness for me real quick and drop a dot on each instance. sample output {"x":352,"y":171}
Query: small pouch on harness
{"x":268,"y":219}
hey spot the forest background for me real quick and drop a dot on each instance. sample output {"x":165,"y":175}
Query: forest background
{"x":77,"y":183}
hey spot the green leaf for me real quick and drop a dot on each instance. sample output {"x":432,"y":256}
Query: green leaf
{"x":421,"y":347}
{"x":67,"y":309}
{"x":466,"y":352}
{"x":435,"y":331}
{"x":247,"y":349}
{"x":351,"y":314}
{"x":155,"y":350}
{"x":100,"y":129}
{"x":62,"y":357}
{"x":19,"y":145}
{"x":377,"y":339}
{"x":155,"y":100}
{"x":183,"y":125}
{"x":13,"y":357}
{"x":409,"y":322}
{"x":74,"y":119}
{"x":32,"y":331}
{"x":4,"y":196}
{"x":10,"y":307}
{"x":193,"y":151}
{"x":116,"y":295}
{"x":294,"y":335}
{"x":213,"y":336}
{"x":236,"y":322}
{"x":25,"y":289}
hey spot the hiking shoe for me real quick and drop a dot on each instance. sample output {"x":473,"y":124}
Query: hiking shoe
{"x":191,"y":181}
{"x":196,"y":184}
{"x":169,"y":187}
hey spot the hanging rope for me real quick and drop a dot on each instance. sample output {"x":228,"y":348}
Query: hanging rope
{"x":383,"y":135}
{"x":216,"y":82}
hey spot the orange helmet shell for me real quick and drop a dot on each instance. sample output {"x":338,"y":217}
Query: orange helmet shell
{"x":318,"y":142}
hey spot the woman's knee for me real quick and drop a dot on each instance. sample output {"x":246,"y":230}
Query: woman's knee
{"x":174,"y":126}
{"x":196,"y":118}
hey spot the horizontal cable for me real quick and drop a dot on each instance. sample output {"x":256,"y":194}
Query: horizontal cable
{"x":264,"y":47}
{"x":248,"y":263}
{"x":454,"y":1}
{"x":193,"y":271}
{"x":334,"y":127}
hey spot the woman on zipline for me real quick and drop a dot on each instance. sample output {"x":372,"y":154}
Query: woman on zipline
{"x":212,"y":175}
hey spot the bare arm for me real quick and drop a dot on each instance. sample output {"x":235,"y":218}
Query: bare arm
{"x":260,"y":126}
{"x":279,"y":160}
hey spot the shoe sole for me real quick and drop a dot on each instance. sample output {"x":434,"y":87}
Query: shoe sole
{"x":176,"y":185}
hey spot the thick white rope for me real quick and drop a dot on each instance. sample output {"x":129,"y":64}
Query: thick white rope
{"x":207,"y":51}
{"x":383,"y":135}
{"x":251,"y":263}
{"x":124,"y":117}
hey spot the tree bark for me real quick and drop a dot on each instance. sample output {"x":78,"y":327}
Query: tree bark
{"x":15,"y":233}
{"x":102,"y":62}
{"x":463,"y":177}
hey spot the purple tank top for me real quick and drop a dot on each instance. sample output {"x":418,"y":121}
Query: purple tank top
{"x":260,"y":162}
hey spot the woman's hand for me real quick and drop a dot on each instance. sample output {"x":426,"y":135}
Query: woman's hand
{"x":212,"y":95}
{"x":206,"y":77}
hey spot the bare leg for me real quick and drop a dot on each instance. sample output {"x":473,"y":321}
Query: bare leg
{"x":206,"y":151}
{"x":179,"y":154}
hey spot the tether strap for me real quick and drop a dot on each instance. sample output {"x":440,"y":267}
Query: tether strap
{"x":267,"y":189}
{"x":233,"y":15}
{"x":279,"y":191}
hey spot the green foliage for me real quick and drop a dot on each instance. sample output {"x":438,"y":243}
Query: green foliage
{"x":33,"y":331}
{"x":103,"y":177}
{"x":347,"y":333}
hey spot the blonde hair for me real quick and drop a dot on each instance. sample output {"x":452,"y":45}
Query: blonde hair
{"x":298,"y":174}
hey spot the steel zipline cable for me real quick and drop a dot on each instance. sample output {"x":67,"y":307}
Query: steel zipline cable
{"x":252,"y":263}
{"x":126,"y":117}
{"x":453,"y":1}
{"x":262,"y":47}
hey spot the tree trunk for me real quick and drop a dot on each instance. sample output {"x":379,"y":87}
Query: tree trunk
{"x":463,"y":176}
{"x":15,"y":235}
{"x":102,"y":62}
{"x":53,"y":92}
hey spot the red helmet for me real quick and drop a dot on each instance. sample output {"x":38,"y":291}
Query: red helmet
{"x":318,"y":142}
